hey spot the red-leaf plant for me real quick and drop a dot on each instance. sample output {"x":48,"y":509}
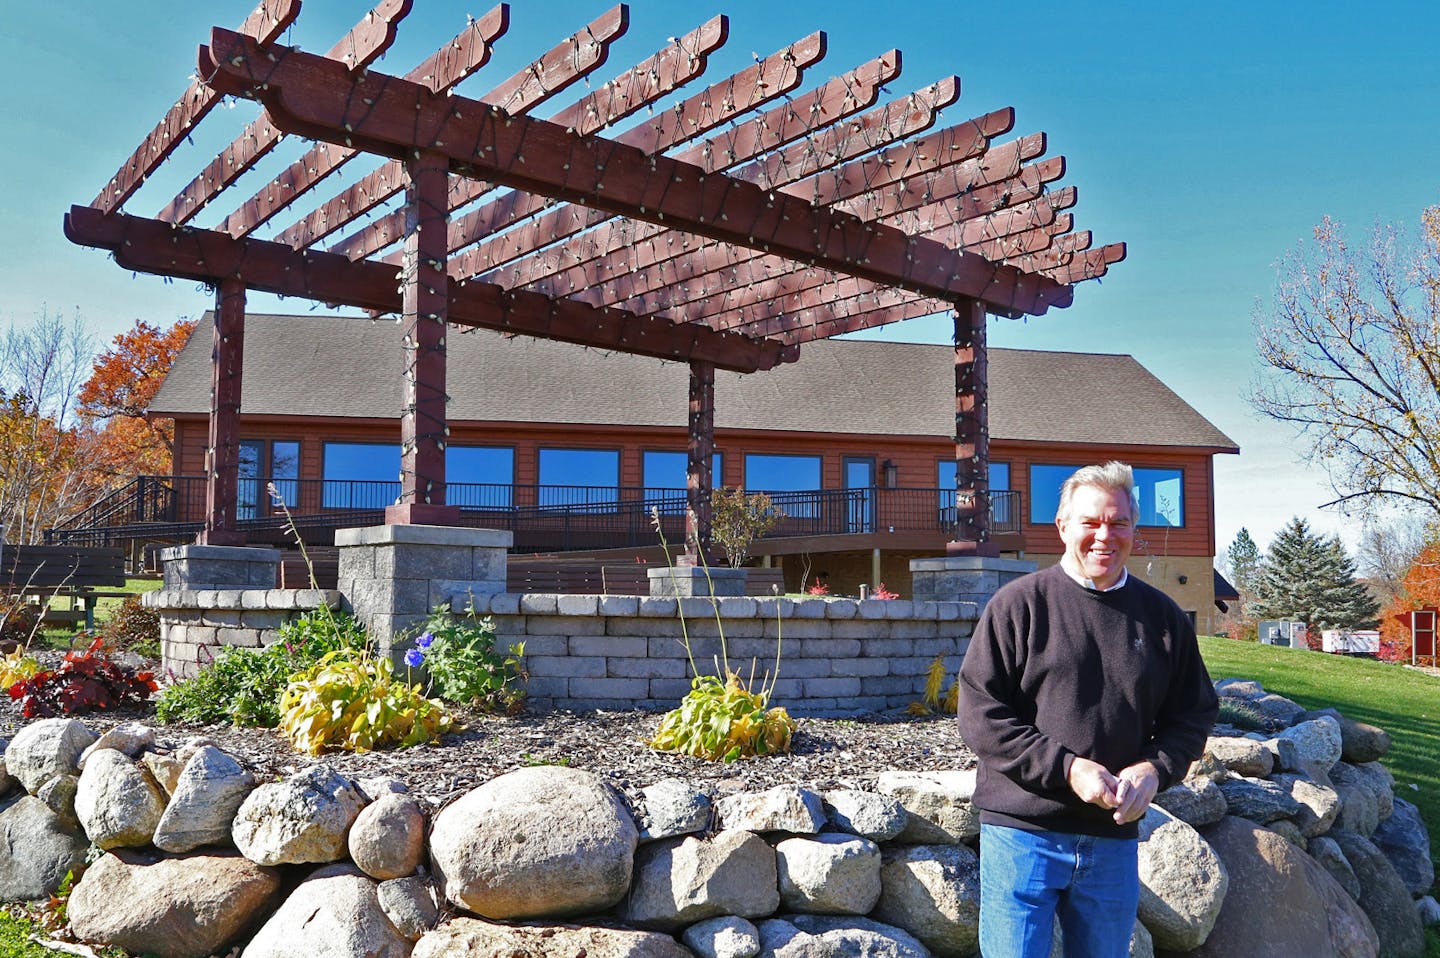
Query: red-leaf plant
{"x":84,"y":681}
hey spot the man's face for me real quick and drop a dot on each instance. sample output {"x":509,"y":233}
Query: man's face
{"x":1098,"y":534}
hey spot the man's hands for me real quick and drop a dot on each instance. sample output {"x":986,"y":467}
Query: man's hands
{"x":1129,"y":793}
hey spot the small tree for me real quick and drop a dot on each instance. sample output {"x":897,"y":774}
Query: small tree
{"x":1243,"y":564}
{"x":737,"y":520}
{"x":1310,"y":578}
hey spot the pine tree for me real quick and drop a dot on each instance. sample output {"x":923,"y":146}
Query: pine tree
{"x":1244,"y":562}
{"x":1311,"y":578}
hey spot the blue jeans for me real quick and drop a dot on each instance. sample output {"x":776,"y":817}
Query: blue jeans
{"x":1028,"y":879}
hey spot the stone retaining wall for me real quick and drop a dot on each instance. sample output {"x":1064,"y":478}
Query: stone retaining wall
{"x":621,"y":652}
{"x":195,"y":625}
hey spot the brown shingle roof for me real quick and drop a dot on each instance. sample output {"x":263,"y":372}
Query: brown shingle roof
{"x":329,"y":366}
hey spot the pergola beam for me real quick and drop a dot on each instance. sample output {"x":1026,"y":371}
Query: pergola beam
{"x":314,"y":96}
{"x":151,"y":246}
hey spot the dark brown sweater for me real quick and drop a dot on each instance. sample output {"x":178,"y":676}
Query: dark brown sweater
{"x":1055,"y":669}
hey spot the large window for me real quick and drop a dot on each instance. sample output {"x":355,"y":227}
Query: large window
{"x":579,"y":476}
{"x":481,"y":477}
{"x":1160,"y":492}
{"x":664,"y":478}
{"x":361,"y":475}
{"x":998,"y":475}
{"x":779,"y":475}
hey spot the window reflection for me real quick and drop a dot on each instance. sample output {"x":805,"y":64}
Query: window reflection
{"x":579,"y":477}
{"x":664,"y":478}
{"x":480,"y":476}
{"x":360,"y":475}
{"x":1160,"y":492}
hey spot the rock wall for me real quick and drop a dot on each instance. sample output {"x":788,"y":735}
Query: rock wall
{"x":1288,"y":842}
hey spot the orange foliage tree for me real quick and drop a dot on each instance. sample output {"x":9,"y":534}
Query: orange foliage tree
{"x":119,"y":392}
{"x":1419,"y":589}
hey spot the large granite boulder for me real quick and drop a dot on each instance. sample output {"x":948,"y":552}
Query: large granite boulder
{"x":1280,"y":903}
{"x":1317,"y":742}
{"x":1405,"y":840}
{"x":1258,"y":799}
{"x":1182,"y":882}
{"x":832,"y":874}
{"x":933,"y":892}
{"x":937,"y":804}
{"x":725,"y":937}
{"x":335,"y":913}
{"x":410,"y":904}
{"x":538,"y":842}
{"x":37,"y":850}
{"x":171,"y":907}
{"x":1240,"y":755}
{"x":867,"y":814}
{"x":388,"y":838}
{"x":473,"y":938}
{"x":1196,"y":801}
{"x":670,"y":808}
{"x":1326,"y":851}
{"x":117,"y":802}
{"x":823,"y":936}
{"x":44,"y":749}
{"x":784,"y":808}
{"x":204,"y":798}
{"x":132,"y":738}
{"x":1319,"y":805}
{"x":680,"y":881}
{"x":1383,"y":896}
{"x":1359,"y":742}
{"x":306,"y":818}
{"x":1366,"y":795}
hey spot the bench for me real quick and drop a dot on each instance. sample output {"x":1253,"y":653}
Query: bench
{"x":294,"y":574}
{"x":79,"y":573}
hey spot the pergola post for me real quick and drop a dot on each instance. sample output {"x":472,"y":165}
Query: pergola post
{"x":699,"y":480}
{"x":425,"y":299}
{"x":222,"y":467}
{"x":972,"y":434}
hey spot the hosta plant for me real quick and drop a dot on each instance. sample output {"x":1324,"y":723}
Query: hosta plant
{"x":17,"y":666}
{"x":352,"y":701}
{"x":723,"y":721}
{"x":937,"y":697}
{"x":84,"y":681}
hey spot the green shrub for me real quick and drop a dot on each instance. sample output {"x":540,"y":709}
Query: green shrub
{"x":351,"y":700}
{"x":243,"y":686}
{"x":133,"y":628}
{"x":463,"y":666}
{"x":1240,"y":714}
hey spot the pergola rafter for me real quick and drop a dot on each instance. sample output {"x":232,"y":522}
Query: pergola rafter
{"x":723,"y":228}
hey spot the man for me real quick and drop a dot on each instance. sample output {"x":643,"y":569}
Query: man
{"x":1083,"y":694}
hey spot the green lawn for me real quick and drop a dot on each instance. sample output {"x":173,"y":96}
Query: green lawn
{"x":1404,"y":702}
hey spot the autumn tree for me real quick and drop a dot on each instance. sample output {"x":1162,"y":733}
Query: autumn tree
{"x":1388,"y":549}
{"x":1311,"y":578}
{"x":118,"y":394}
{"x":1419,"y":589}
{"x":1351,"y":343}
{"x":47,"y":456}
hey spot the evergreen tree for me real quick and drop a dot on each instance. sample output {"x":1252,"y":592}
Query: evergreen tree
{"x":1244,"y":563}
{"x":1311,"y":578}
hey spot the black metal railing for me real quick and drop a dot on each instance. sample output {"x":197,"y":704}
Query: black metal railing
{"x":543,"y":518}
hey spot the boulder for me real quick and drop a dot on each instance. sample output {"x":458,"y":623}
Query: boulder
{"x":1289,"y":831}
{"x":724,"y":937}
{"x":132,"y":738}
{"x":867,"y":814}
{"x":932,"y":892}
{"x":37,"y":850}
{"x":1318,"y":804}
{"x":670,"y":808}
{"x":830,"y":874}
{"x":683,"y":880}
{"x":1280,"y":903}
{"x":1366,"y":796}
{"x":821,"y":936}
{"x":117,"y":802}
{"x":1404,"y":839}
{"x":1258,"y":800}
{"x":937,"y":804}
{"x":388,"y":838}
{"x":7,"y":781}
{"x":1383,"y":896}
{"x":1196,"y":801}
{"x":1285,"y":754}
{"x":474,"y":938}
{"x":1208,"y":766}
{"x":303,"y":819}
{"x":1277,"y":708}
{"x":150,"y":903}
{"x":1317,"y":743}
{"x":784,"y":808}
{"x":410,"y":905}
{"x":335,"y":913}
{"x":1429,"y":911}
{"x":1182,"y":882}
{"x":164,"y":768}
{"x":1242,"y":756}
{"x":533,"y":843}
{"x":204,"y":799}
{"x":374,"y":787}
{"x":58,"y":794}
{"x":1359,"y":742}
{"x":1324,"y":850}
{"x":44,"y":749}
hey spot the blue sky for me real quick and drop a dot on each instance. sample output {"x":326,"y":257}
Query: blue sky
{"x":1211,"y":138}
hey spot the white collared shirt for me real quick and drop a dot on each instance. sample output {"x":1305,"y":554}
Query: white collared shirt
{"x":1090,"y":583}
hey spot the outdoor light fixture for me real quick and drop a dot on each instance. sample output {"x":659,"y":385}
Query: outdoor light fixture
{"x":891,"y":472}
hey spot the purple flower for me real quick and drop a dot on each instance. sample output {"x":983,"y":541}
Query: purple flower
{"x":425,"y":640}
{"x":414,"y":657}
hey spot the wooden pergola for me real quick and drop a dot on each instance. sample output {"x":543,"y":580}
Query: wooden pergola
{"x":724,"y":229}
